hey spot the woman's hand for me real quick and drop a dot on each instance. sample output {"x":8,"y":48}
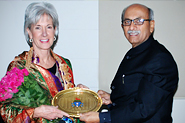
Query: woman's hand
{"x":82,"y":86}
{"x":105,"y":97}
{"x":49,"y":112}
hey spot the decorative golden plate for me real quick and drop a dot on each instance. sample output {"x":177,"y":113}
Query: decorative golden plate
{"x":77,"y":100}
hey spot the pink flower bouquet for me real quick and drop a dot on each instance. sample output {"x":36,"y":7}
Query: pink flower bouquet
{"x":10,"y":83}
{"x":20,"y":88}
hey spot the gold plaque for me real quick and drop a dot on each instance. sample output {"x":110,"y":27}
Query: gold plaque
{"x":77,"y":100}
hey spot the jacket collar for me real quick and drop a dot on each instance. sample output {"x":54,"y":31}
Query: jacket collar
{"x":140,"y":48}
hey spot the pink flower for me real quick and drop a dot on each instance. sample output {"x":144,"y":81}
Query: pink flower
{"x":25,"y":71}
{"x":15,"y":90}
{"x":8,"y":95}
{"x":11,"y":81}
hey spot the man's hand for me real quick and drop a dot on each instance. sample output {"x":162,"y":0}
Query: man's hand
{"x":90,"y":117}
{"x":82,"y":86}
{"x":105,"y":97}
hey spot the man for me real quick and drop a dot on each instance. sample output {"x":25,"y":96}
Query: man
{"x":146,"y":80}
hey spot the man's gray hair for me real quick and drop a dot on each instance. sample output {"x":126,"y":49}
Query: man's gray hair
{"x":151,"y":13}
{"x":33,"y":13}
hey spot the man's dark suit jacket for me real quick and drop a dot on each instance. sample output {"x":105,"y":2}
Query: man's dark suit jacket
{"x":144,"y":85}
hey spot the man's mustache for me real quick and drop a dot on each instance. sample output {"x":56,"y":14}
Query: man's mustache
{"x":133,"y":32}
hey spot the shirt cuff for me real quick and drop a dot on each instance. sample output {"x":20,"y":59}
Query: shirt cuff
{"x":105,"y":117}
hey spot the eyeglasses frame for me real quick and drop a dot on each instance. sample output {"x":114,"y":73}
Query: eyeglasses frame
{"x":132,"y":20}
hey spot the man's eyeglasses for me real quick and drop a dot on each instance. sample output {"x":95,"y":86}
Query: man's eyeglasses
{"x":137,"y":21}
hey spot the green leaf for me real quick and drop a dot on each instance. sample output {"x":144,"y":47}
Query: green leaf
{"x":27,"y":94}
{"x":22,"y":90}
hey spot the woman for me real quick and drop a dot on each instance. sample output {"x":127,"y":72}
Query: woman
{"x":52,"y":72}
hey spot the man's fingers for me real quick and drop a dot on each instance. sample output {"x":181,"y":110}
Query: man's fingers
{"x":100,"y":92}
{"x":85,"y":114}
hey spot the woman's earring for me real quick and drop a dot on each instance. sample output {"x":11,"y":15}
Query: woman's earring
{"x":54,"y":38}
{"x":31,"y":40}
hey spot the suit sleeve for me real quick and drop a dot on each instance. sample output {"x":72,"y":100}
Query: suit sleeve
{"x":104,"y":117}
